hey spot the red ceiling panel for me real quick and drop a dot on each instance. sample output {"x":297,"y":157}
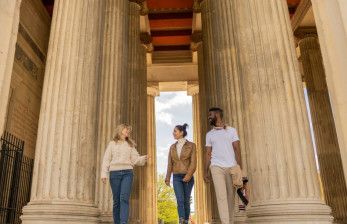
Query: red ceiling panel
{"x":169,"y":4}
{"x":172,"y":40}
{"x":168,"y":23}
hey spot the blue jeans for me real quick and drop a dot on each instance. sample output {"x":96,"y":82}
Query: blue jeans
{"x":182,"y":191}
{"x":121,"y":182}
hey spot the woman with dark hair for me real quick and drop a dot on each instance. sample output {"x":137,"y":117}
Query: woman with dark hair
{"x":182,"y":163}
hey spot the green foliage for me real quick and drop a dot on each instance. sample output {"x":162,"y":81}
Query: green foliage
{"x":167,"y":207}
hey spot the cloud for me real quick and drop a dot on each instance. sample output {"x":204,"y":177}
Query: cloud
{"x":166,"y":102}
{"x":164,"y":117}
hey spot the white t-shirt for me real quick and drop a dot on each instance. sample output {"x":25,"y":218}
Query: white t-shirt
{"x":221,"y":141}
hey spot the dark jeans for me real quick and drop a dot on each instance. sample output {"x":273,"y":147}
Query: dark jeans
{"x":182,"y":191}
{"x":121,"y":182}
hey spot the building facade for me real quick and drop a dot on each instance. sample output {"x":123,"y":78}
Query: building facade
{"x":71,"y":71}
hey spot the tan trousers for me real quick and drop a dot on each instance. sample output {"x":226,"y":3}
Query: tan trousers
{"x":225,"y":193}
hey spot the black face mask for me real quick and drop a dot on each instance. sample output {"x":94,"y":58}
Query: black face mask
{"x":213,"y":121}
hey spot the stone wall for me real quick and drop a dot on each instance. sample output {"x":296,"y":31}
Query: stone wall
{"x":28,"y":73}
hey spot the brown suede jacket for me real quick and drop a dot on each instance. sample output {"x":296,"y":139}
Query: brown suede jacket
{"x":186,"y":164}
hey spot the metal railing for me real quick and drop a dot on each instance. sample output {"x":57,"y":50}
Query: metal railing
{"x":15,"y":179}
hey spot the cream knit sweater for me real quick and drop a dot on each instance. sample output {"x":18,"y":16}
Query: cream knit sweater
{"x":120,"y":156}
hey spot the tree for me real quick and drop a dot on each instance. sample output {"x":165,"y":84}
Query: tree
{"x":167,"y":206}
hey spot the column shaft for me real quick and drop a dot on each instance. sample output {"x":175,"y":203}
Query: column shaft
{"x":228,"y":78}
{"x":283,"y":177}
{"x":202,"y":191}
{"x":133,"y":102}
{"x":209,"y":61}
{"x":331,"y":21}
{"x":63,"y":181}
{"x":146,"y":204}
{"x":9,"y":21}
{"x":329,"y":157}
{"x":112,"y":94}
{"x":151,"y":169}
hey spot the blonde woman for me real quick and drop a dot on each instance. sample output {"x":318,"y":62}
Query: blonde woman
{"x":119,"y":160}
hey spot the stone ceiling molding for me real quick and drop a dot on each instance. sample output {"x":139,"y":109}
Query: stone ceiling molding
{"x":300,"y":13}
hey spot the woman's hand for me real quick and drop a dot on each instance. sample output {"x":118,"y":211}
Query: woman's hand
{"x":147,"y":157}
{"x":167,"y":182}
{"x":103,"y":180}
{"x":207,"y":177}
{"x":186,"y":179}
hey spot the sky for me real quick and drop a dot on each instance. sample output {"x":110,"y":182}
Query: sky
{"x":171,"y":109}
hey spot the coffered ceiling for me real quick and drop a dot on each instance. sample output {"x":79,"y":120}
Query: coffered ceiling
{"x":171,"y":22}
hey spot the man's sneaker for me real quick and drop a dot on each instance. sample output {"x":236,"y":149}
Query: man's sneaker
{"x":182,"y":221}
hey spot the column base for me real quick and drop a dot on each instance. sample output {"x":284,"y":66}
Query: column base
{"x":285,"y":212}
{"x":106,"y":219}
{"x":240,"y":217}
{"x":50,"y":212}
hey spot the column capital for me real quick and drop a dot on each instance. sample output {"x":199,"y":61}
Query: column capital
{"x":144,"y":9}
{"x":146,"y":40}
{"x":196,"y":6}
{"x":153,"y":90}
{"x":195,"y":39}
{"x":304,"y":32}
{"x":139,"y":2}
{"x":192,"y":88}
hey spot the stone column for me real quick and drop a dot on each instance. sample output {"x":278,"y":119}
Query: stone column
{"x":331,"y":20}
{"x":209,"y":61}
{"x":63,"y":182}
{"x":145,"y":207}
{"x":133,"y":101}
{"x":199,"y":185}
{"x":283,"y":176}
{"x":9,"y":21}
{"x":329,"y":156}
{"x":151,"y":169}
{"x":227,"y":78}
{"x":112,"y":93}
{"x":202,"y":191}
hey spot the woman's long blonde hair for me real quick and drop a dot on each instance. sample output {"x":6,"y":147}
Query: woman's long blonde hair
{"x":119,"y":130}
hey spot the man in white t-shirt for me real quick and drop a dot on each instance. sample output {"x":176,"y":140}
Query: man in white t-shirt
{"x":222,"y":152}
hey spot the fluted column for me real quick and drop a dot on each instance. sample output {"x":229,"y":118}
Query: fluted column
{"x":210,"y":91}
{"x":283,"y":176}
{"x":145,"y":207}
{"x":328,"y":152}
{"x":202,"y":191}
{"x":199,"y":186}
{"x":112,"y":93}
{"x":331,"y":21}
{"x":227,"y":78}
{"x":9,"y":21}
{"x":133,"y":101}
{"x":151,"y":169}
{"x":63,"y":183}
{"x":208,"y":48}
